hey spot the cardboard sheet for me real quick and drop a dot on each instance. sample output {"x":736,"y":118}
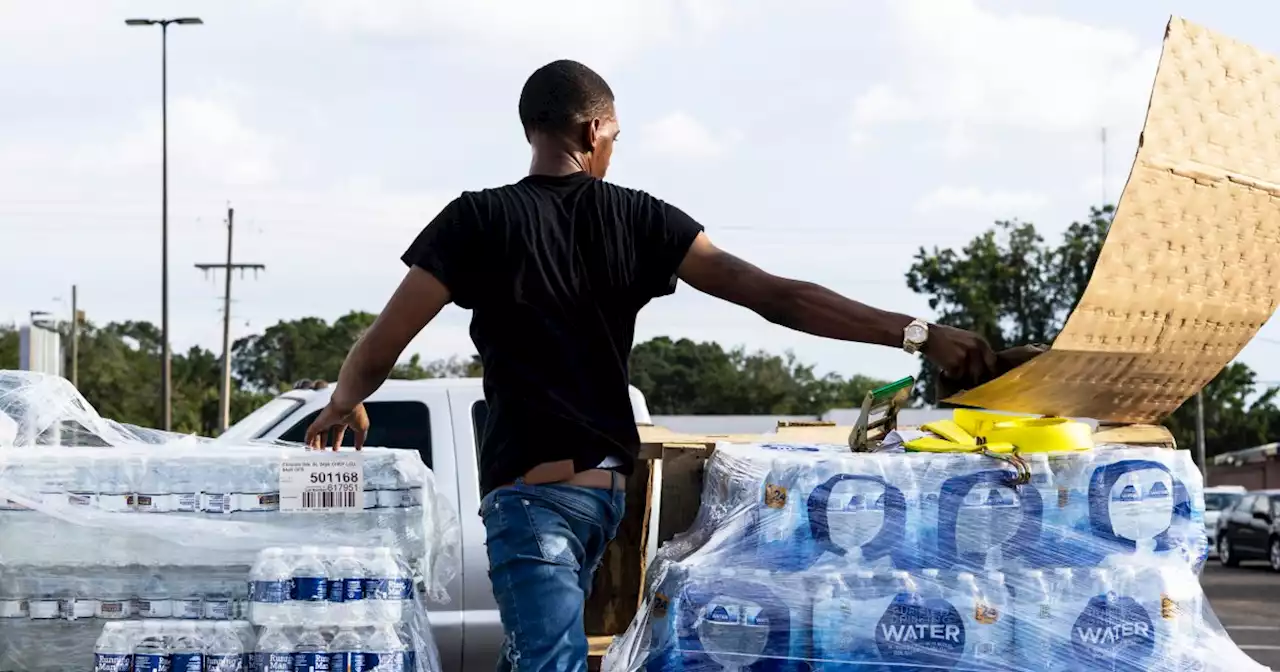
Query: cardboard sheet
{"x":1190,"y":270}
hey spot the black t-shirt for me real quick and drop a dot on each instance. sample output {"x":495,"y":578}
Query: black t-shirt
{"x":555,"y":270}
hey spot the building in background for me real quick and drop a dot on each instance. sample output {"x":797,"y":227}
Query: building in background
{"x":40,"y":349}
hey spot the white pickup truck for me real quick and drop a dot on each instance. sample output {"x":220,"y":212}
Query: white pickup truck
{"x":441,"y":419}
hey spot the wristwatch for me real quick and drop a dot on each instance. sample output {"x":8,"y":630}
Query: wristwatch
{"x":915,"y":335}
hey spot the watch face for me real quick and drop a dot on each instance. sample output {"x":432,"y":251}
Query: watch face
{"x":916,"y":333}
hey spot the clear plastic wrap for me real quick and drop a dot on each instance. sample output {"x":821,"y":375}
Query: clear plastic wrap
{"x":102,"y":523}
{"x":815,"y":558}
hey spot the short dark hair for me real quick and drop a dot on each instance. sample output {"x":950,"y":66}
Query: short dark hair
{"x":562,"y":94}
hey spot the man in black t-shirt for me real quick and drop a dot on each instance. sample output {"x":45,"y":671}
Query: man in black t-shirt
{"x":555,"y":268}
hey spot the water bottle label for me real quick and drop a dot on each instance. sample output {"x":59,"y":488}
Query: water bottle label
{"x":74,"y":608}
{"x":153,"y":503}
{"x":112,"y":662}
{"x":217,"y":610}
{"x":388,"y":589}
{"x":121,"y":608}
{"x":158,"y":608}
{"x":215,"y":503}
{"x":309,"y":588}
{"x":411,"y":661}
{"x":273,"y":662}
{"x":191,"y":607}
{"x":352,"y":590}
{"x":1113,"y":630}
{"x":115,"y":503}
{"x":150,"y":662}
{"x":311,"y":662}
{"x":187,"y":502}
{"x":79,"y":499}
{"x":270,"y":592}
{"x":14,"y":609}
{"x":263,"y":501}
{"x":395,"y":499}
{"x":43,"y":609}
{"x":346,"y":661}
{"x":224,"y":662}
{"x":187,"y":662}
{"x":384,"y":662}
{"x":921,"y":633}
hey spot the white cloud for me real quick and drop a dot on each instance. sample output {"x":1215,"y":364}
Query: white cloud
{"x":966,"y":66}
{"x":679,"y":135}
{"x":971,"y":199}
{"x":602,"y":31}
{"x":207,"y":137}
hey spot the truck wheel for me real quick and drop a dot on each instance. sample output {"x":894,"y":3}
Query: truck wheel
{"x":1226,"y":555}
{"x":1275,"y":554}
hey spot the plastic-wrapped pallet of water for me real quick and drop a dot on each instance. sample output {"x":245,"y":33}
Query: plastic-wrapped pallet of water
{"x":195,"y":540}
{"x":815,"y":558}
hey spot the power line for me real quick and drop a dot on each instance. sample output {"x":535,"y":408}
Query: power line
{"x":227,"y":268}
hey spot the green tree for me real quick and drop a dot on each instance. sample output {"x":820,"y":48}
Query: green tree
{"x":292,"y":350}
{"x":453,"y":367}
{"x":8,"y":346}
{"x":686,"y":377}
{"x":1012,"y":287}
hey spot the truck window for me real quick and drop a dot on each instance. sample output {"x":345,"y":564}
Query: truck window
{"x":479,"y":416}
{"x":392,"y":424}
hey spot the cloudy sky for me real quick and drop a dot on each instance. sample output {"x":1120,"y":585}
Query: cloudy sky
{"x":822,"y":139}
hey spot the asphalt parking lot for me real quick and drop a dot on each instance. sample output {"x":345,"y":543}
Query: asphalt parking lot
{"x":1247,"y":601}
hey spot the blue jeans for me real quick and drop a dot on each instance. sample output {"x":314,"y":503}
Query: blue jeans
{"x":545,"y":543}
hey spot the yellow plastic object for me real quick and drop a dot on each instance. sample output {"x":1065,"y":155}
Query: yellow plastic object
{"x":972,"y":431}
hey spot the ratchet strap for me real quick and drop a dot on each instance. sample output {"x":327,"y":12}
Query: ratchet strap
{"x":1003,"y":437}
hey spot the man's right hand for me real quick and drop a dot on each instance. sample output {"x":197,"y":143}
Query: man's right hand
{"x":962,"y":356}
{"x":332,"y":423}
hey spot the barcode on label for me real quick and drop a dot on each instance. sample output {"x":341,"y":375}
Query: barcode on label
{"x":312,"y":499}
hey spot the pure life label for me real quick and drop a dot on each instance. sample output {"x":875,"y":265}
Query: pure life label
{"x":321,"y":483}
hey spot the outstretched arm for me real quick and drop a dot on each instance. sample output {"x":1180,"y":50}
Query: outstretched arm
{"x":417,"y":301}
{"x":814,"y":309}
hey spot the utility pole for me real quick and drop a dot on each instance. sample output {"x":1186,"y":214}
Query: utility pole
{"x":224,"y":420}
{"x":75,"y":340}
{"x":1204,"y":464}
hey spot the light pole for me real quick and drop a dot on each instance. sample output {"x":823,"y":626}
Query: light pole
{"x":166,"y":386}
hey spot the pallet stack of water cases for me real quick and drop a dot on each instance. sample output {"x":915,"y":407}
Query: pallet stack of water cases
{"x":124,"y":549}
{"x":814,"y":558}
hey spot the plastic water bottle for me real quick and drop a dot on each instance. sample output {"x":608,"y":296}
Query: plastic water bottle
{"x":310,"y":653}
{"x":273,"y":652}
{"x":346,"y":652}
{"x":388,"y":588}
{"x":153,"y":599}
{"x":384,"y":651}
{"x":153,"y":490}
{"x":346,"y":588}
{"x":114,"y":601}
{"x":115,"y":485}
{"x":225,"y":650}
{"x":219,"y":495}
{"x":410,"y":650}
{"x":310,"y":586}
{"x":845,"y":614}
{"x":269,"y":589}
{"x":184,"y":487}
{"x":1037,"y":624}
{"x":186,"y":649}
{"x":151,"y":653}
{"x":259,"y":489}
{"x":217,"y":601}
{"x":998,"y":620}
{"x":189,"y":604}
{"x":112,"y":652}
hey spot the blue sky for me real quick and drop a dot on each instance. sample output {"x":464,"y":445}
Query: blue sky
{"x":823,"y":140}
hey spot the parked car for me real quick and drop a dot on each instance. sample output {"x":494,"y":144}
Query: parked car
{"x":1250,"y":529}
{"x":442,"y":420}
{"x":1216,"y":500}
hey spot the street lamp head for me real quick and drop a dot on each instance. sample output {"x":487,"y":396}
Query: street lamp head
{"x":188,"y":21}
{"x":185,"y":21}
{"x":139,"y":22}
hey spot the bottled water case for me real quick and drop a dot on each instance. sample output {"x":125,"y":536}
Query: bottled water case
{"x":815,"y":558}
{"x":124,"y":549}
